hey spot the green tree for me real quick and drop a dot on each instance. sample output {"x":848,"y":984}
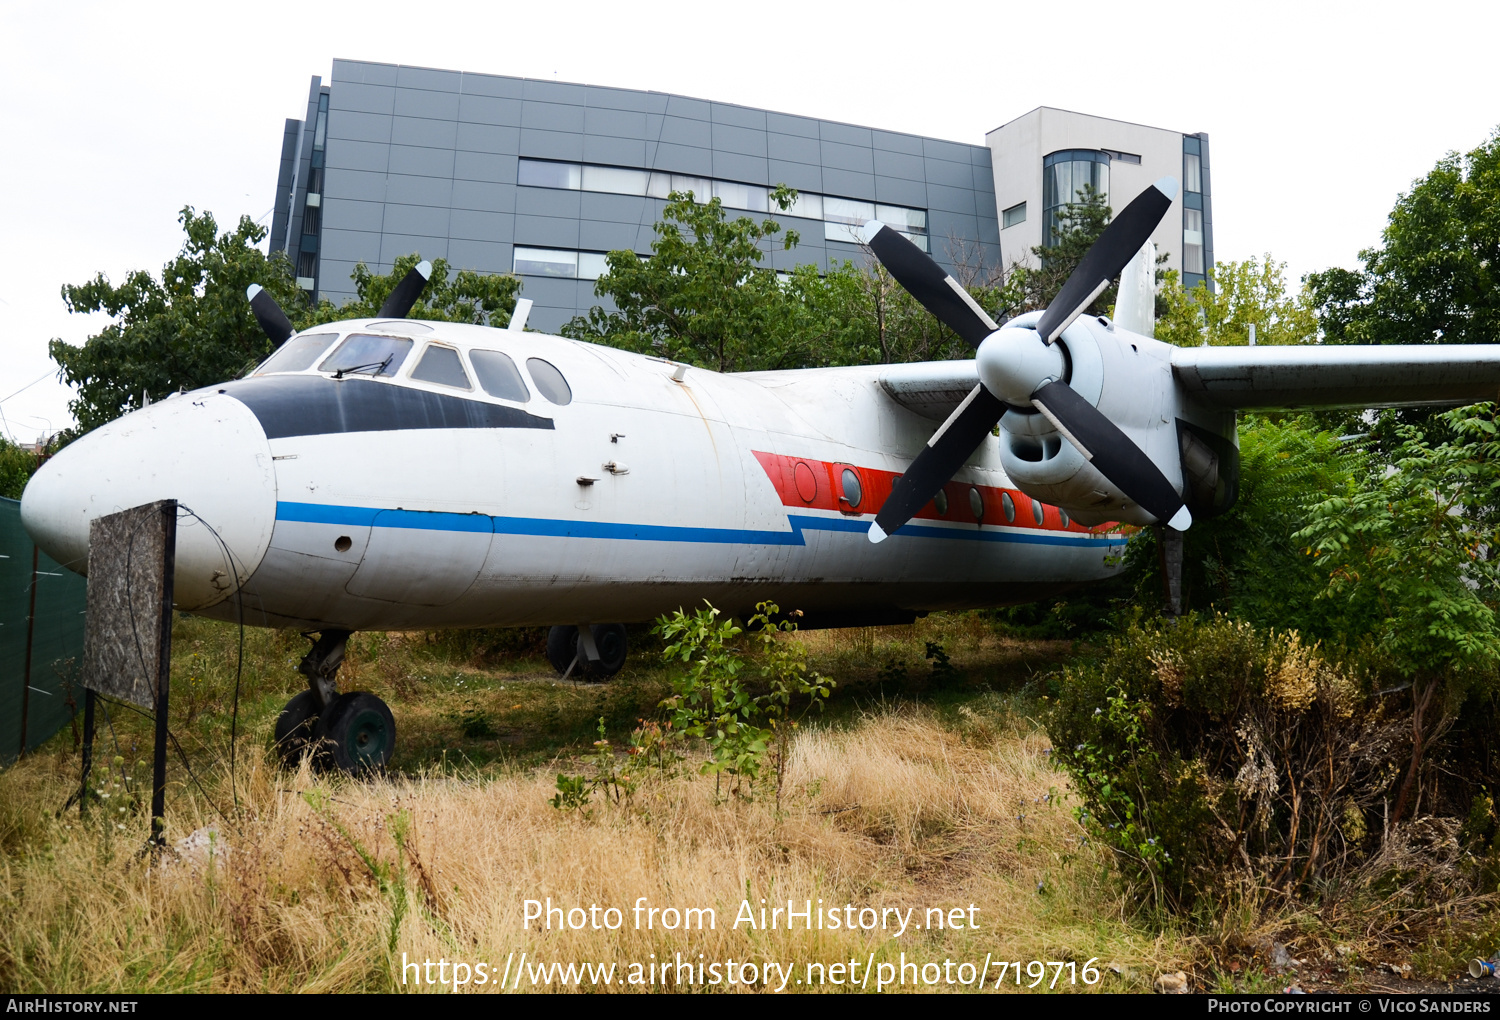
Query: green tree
{"x":17,"y":465}
{"x":1412,"y":541}
{"x":190,"y":328}
{"x":483,"y":299}
{"x":703,"y":296}
{"x":1435,"y":276}
{"x":1079,"y":226}
{"x":1245,"y":293}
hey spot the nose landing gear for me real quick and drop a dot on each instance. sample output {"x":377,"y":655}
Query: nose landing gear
{"x":352,"y":732}
{"x":572,"y":657}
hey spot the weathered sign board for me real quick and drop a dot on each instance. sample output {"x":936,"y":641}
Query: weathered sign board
{"x":131,"y":556}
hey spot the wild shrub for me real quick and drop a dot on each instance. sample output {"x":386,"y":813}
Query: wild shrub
{"x":1212,"y":756}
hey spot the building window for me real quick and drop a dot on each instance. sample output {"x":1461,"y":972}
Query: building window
{"x":1192,"y":240}
{"x":1065,"y":176}
{"x":1015,"y":214}
{"x":538,"y":174}
{"x":1192,"y":172}
{"x":559,"y":263}
{"x":1122,"y":157}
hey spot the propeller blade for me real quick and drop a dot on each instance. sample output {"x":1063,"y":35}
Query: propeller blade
{"x":1118,"y":244}
{"x":1112,"y":452}
{"x":925,"y":280}
{"x":269,"y":314}
{"x":943,"y":455}
{"x":407,"y":291}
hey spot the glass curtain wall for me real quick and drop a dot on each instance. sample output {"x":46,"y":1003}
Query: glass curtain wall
{"x":1064,"y":176}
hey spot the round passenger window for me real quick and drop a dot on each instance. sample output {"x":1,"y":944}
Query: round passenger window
{"x":806,"y":481}
{"x":549,"y":381}
{"x":976,"y":503}
{"x":941,"y":502}
{"x":851,"y":487}
{"x":1038,"y":512}
{"x":1009,"y":506}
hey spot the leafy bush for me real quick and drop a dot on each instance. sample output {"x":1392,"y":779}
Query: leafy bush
{"x":1211,"y":755}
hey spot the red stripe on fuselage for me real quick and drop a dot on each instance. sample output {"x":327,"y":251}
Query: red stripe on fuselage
{"x":796,"y":477}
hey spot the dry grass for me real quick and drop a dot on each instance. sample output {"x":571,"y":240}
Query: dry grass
{"x":321,"y":891}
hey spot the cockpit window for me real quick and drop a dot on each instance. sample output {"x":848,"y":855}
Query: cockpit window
{"x":298,"y":353}
{"x":499,"y":376}
{"x":443,"y":366}
{"x":549,"y":381}
{"x":367,"y":355}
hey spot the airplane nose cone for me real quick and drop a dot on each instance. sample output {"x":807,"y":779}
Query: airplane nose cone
{"x":207,"y":451}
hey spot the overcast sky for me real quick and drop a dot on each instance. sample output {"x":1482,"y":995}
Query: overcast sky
{"x":116,"y":115}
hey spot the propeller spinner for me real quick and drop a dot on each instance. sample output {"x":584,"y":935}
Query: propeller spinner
{"x":1020,"y":368}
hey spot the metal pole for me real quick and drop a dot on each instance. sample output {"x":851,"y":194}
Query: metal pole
{"x":88,"y":747}
{"x":163,"y":675}
{"x":30,"y":631}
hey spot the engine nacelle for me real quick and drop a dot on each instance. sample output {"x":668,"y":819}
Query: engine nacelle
{"x":1129,"y":378}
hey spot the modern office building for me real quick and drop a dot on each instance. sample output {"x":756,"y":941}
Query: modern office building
{"x":542,"y":178}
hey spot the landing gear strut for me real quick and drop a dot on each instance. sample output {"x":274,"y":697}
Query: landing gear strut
{"x":572,"y":657}
{"x":351,"y":732}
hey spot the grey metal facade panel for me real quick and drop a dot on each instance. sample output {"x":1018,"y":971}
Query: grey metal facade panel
{"x":892,"y":141}
{"x":480,"y":256}
{"x":955,"y":152}
{"x":285,"y":172}
{"x":360,"y":185}
{"x":361,"y":98}
{"x":627,"y":209}
{"x":425,"y":132}
{"x":802,"y":176}
{"x":737,"y":116}
{"x":795,"y":148}
{"x":682,"y":159}
{"x":614,"y":151}
{"x":742,"y":140}
{"x":484,"y":196}
{"x":846,"y":134}
{"x":942,"y":225}
{"x":959,"y":200}
{"x":492,"y":110}
{"x":344,"y":154}
{"x":363,"y":71}
{"x":488,"y":138}
{"x":476,"y":225}
{"x":347,"y":214}
{"x":614,"y":123}
{"x":786,"y":124}
{"x":899,"y":191}
{"x":900,"y":164}
{"x":359,"y":127}
{"x":984,"y":205}
{"x":423,"y":220}
{"x":540,"y":144}
{"x":840,"y":156}
{"x":950,"y":174}
{"x":849,"y":184}
{"x":405,"y":189}
{"x":491,"y":85}
{"x":393,"y":246}
{"x":349,"y":245}
{"x":695,"y":109}
{"x":731,"y":166}
{"x":554,"y":92}
{"x":599,"y":98}
{"x":428,"y":78}
{"x":422,"y":162}
{"x":606,"y":235}
{"x":497,"y":167}
{"x":549,"y":202}
{"x":551,"y":116}
{"x":547,"y":231}
{"x":420,"y":103}
{"x":684,"y":131}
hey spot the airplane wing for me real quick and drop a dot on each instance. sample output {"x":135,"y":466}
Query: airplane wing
{"x":930,"y":388}
{"x":1339,"y":376}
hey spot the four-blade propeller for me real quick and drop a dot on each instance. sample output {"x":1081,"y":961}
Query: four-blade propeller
{"x":1020,"y":368}
{"x":279,"y":328}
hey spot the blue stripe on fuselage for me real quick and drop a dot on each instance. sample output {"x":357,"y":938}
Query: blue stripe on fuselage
{"x":422,"y":520}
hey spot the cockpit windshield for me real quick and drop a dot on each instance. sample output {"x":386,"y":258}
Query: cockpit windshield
{"x":298,"y":353}
{"x":363,"y":354}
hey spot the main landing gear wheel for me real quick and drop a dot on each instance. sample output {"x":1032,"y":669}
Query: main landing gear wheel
{"x":609,"y":639}
{"x":294,"y":728}
{"x":356,"y":734}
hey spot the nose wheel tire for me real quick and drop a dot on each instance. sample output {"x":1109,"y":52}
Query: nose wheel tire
{"x":294,"y":728}
{"x":356,"y":734}
{"x":609,"y":639}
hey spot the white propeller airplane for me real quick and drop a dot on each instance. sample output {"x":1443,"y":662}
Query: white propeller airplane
{"x":395,"y":474}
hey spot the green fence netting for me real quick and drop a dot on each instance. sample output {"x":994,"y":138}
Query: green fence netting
{"x":41,"y":641}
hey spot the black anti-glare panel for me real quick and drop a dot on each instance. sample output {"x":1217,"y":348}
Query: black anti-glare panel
{"x":312,"y":405}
